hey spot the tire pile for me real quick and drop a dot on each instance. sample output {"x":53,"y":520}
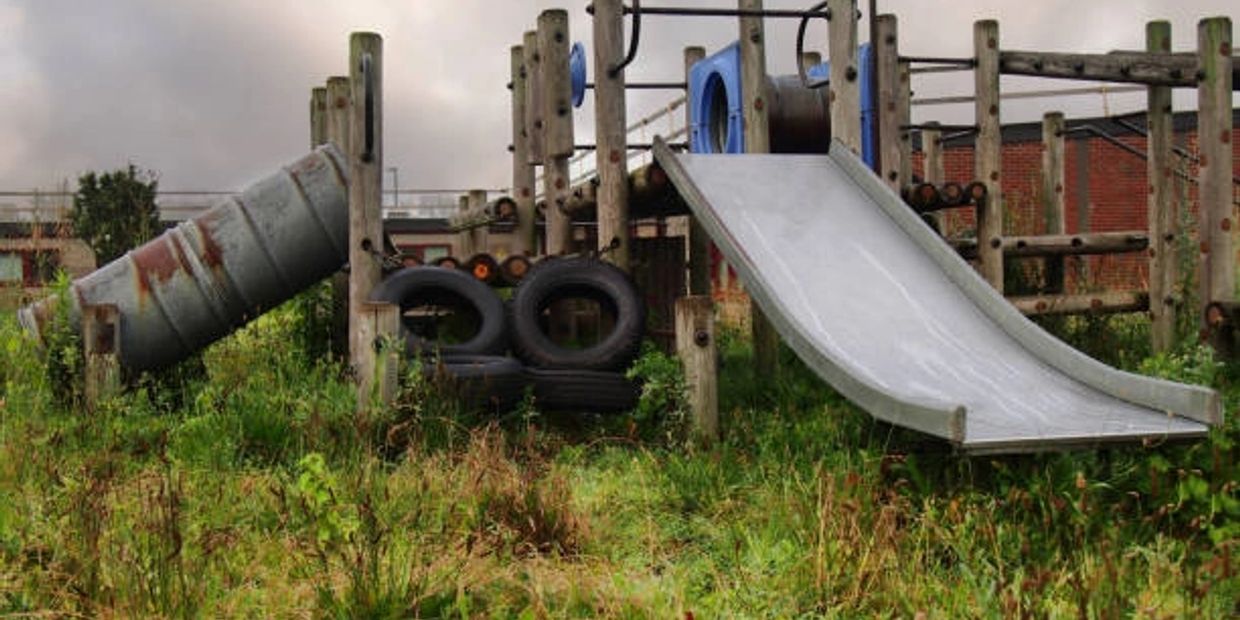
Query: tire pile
{"x":478,"y":369}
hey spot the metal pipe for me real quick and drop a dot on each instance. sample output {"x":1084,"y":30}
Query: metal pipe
{"x":204,"y":278}
{"x":648,"y":85}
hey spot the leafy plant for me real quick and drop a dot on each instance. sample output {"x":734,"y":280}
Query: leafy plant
{"x":115,"y":211}
{"x":662,"y":409}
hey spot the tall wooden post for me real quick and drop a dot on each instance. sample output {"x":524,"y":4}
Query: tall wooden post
{"x":101,"y":341}
{"x":318,"y":116}
{"x":988,"y":151}
{"x":522,"y":171}
{"x":695,"y":345}
{"x":379,"y":325}
{"x":757,"y":140}
{"x":532,"y":60}
{"x":1053,"y":197}
{"x":611,"y":137}
{"x":1162,"y":217}
{"x":556,"y":117}
{"x":336,"y":127}
{"x":1214,"y":128}
{"x":904,"y":117}
{"x":480,"y":235}
{"x":845,"y":89}
{"x":699,"y":241}
{"x":889,"y":131}
{"x":365,"y":198}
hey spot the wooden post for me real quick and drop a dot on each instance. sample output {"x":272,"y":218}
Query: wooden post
{"x":101,"y":341}
{"x":522,"y":171}
{"x":1053,"y":198}
{"x":932,"y":149}
{"x":757,"y":140}
{"x":480,"y":236}
{"x":532,"y":61}
{"x":465,"y":237}
{"x":1214,"y":131}
{"x":845,"y":89}
{"x":318,"y":116}
{"x":611,"y":137}
{"x":336,"y":127}
{"x":699,"y":241}
{"x":1162,"y":217}
{"x":378,"y":332}
{"x":988,"y":151}
{"x":889,"y":131}
{"x":365,"y":196}
{"x":904,"y":117}
{"x":695,"y":345}
{"x":556,"y":117}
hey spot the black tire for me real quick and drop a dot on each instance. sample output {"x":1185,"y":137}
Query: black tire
{"x":582,"y":390}
{"x":493,"y":383}
{"x":416,"y":286}
{"x":576,"y":278}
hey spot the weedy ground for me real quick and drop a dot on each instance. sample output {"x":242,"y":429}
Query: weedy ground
{"x":243,"y":485}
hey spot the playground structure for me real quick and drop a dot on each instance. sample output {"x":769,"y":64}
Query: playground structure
{"x":547,"y":80}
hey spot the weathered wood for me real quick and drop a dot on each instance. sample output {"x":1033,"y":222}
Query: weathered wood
{"x":932,"y":148}
{"x":1053,"y":198}
{"x":379,"y":332}
{"x":365,"y":194}
{"x":101,"y":341}
{"x":480,"y":235}
{"x":318,"y":116}
{"x":845,"y":90}
{"x":611,"y":136}
{"x":904,"y":114}
{"x":695,"y":345}
{"x":532,"y":61}
{"x":336,"y":126}
{"x":699,"y":241}
{"x":887,"y":57}
{"x":757,"y":140}
{"x":1110,"y":302}
{"x":1214,"y":133}
{"x":464,"y":235}
{"x":645,"y":184}
{"x":1162,"y":217}
{"x":557,"y":125}
{"x":1082,"y":244}
{"x":988,"y":150}
{"x":522,"y":172}
{"x":1129,"y":67}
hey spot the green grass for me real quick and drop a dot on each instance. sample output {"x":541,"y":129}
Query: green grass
{"x":248,"y":488}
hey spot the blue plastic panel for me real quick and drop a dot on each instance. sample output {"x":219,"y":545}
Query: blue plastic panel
{"x":713,"y":77}
{"x":577,"y":72}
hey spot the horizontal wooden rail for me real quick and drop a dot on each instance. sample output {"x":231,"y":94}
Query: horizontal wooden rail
{"x":1177,"y":70}
{"x":1109,"y":302}
{"x":1117,"y":242}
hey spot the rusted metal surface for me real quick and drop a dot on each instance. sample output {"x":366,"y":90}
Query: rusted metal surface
{"x":204,"y":278}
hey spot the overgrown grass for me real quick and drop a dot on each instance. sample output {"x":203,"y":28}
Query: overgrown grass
{"x":253,"y":490}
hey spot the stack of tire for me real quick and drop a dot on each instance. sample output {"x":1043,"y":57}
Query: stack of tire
{"x":477,"y":369}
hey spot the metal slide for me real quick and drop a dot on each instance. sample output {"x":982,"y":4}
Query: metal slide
{"x":882,"y":309}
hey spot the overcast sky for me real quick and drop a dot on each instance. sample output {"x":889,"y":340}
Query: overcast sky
{"x":213,"y":94}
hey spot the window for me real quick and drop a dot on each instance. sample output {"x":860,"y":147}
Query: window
{"x":10,"y":268}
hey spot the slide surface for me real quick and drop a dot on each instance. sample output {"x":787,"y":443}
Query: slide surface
{"x":886,"y":312}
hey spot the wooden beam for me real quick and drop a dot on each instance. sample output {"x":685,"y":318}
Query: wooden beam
{"x":339,"y":100}
{"x":934,"y":172}
{"x":464,"y":236}
{"x":532,"y":61}
{"x":699,"y":241}
{"x":1133,"y":68}
{"x":1110,"y":302}
{"x":1162,"y":217}
{"x":557,"y":125}
{"x":522,"y":172}
{"x":1117,"y":242}
{"x":611,"y":135}
{"x":988,"y":150}
{"x":695,"y":345}
{"x":757,"y":140}
{"x":318,"y":116}
{"x":480,"y":235}
{"x":1053,"y":202}
{"x":101,"y":342}
{"x":887,"y":53}
{"x":365,"y":199}
{"x":1214,"y":133}
{"x":845,"y":89}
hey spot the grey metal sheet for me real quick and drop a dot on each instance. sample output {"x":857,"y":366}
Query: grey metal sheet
{"x":879,"y":306}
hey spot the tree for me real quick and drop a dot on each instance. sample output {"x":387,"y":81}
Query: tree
{"x":116,"y":211}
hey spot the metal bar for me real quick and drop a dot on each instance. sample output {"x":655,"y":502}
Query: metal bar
{"x":932,"y":126}
{"x":711,"y":12}
{"x":940,"y":69}
{"x":635,"y":146}
{"x":1035,"y":94}
{"x":940,"y":60}
{"x":649,"y":85}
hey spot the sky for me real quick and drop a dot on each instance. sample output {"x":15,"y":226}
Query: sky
{"x":212,"y":95}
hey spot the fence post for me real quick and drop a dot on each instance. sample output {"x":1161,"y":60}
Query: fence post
{"x":336,"y":131}
{"x":695,"y":345}
{"x":699,"y":241}
{"x":377,"y":331}
{"x":365,"y":187}
{"x":845,"y":88}
{"x":557,"y":124}
{"x":479,"y":235}
{"x":1053,"y":202}
{"x":988,"y":151}
{"x":611,"y":136}
{"x":1162,"y":217}
{"x":464,"y":236}
{"x":1214,"y":132}
{"x":889,"y":131}
{"x":318,"y":116}
{"x":101,"y":342}
{"x":522,"y":171}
